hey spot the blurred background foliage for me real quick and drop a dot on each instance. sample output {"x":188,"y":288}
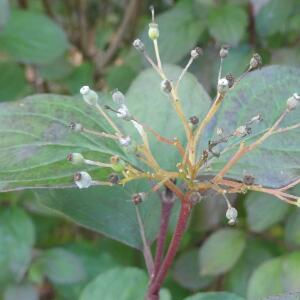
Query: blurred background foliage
{"x":57,"y":46}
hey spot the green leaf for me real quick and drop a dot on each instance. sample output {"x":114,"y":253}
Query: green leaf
{"x":227,"y":23}
{"x":255,"y":253}
{"x":24,"y":292}
{"x":276,"y":276}
{"x":107,"y":210}
{"x":266,"y":280}
{"x":4,"y":13}
{"x":186,"y":271}
{"x":61,"y":266}
{"x":32,"y":38}
{"x":118,"y":283}
{"x":55,"y":70}
{"x":221,"y":251}
{"x":267,"y":19}
{"x":214,"y":296}
{"x":149,"y":104}
{"x":263,"y":211}
{"x":35,"y":139}
{"x":276,"y":162}
{"x":16,"y":241}
{"x":290,"y":275}
{"x":291,"y":230}
{"x":179,"y":31}
{"x":81,"y":75}
{"x":12,"y":81}
{"x":288,"y":296}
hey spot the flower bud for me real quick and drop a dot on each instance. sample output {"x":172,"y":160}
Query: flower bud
{"x":76,"y":126}
{"x":166,"y":86}
{"x":255,"y":62}
{"x":138,"y":45}
{"x":125,"y":140}
{"x":118,"y":97}
{"x":113,"y":178}
{"x":230,"y":79}
{"x":153,"y":31}
{"x":89,"y":96}
{"x":293,"y":101}
{"x":298,"y":202}
{"x":224,"y":51}
{"x":75,"y":158}
{"x":83,"y":179}
{"x":223,"y":85}
{"x":195,"y":53}
{"x":231,"y":215}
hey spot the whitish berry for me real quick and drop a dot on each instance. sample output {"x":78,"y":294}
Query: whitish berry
{"x":153,"y":31}
{"x":224,"y":51}
{"x":118,"y":97}
{"x":75,"y":158}
{"x":76,"y":126}
{"x":195,"y":53}
{"x":220,"y":131}
{"x":83,"y":179}
{"x":89,"y":96}
{"x":231,"y":215}
{"x":255,"y":62}
{"x":138,"y":45}
{"x":123,"y":113}
{"x":293,"y":101}
{"x":125,"y":140}
{"x":242,"y":131}
{"x":256,"y":119}
{"x":223,"y":85}
{"x":166,"y":86}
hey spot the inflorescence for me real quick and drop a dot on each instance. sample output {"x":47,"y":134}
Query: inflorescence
{"x":192,"y":163}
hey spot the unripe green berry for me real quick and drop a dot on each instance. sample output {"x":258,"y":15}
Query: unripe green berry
{"x":117,"y":164}
{"x":153,"y":31}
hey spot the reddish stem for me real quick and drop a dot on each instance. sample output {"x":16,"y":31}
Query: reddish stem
{"x":153,"y":292}
{"x":166,"y":208}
